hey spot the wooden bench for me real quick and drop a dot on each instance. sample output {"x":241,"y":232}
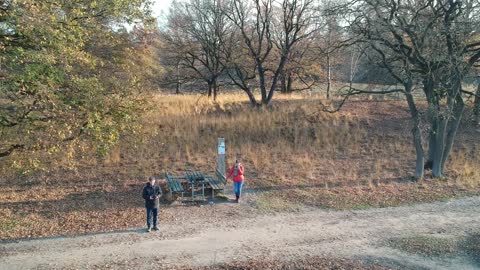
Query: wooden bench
{"x":196,"y":179}
{"x":216,"y":184}
{"x":195,"y":176}
{"x":174,"y":183}
{"x":220,"y":177}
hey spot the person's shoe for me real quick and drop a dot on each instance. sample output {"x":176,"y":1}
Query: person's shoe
{"x":149,"y":229}
{"x":155,"y":228}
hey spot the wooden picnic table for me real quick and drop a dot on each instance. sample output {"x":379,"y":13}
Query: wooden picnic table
{"x":196,"y":179}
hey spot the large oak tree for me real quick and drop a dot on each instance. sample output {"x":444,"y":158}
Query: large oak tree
{"x":431,"y":44}
{"x":65,"y":81}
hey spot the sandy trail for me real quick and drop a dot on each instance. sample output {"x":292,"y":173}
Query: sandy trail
{"x":214,"y":239}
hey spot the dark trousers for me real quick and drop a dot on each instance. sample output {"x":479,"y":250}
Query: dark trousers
{"x":152,"y":213}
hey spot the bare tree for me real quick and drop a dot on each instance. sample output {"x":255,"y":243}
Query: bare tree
{"x":356,"y":52}
{"x":176,"y":73}
{"x":195,"y":34}
{"x":330,"y":40}
{"x":434,"y":42}
{"x":301,"y":71}
{"x":269,"y":31}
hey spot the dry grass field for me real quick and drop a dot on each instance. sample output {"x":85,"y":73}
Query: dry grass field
{"x":294,"y":155}
{"x":292,"y":143}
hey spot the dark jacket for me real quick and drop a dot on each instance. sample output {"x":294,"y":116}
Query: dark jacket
{"x":151,"y":194}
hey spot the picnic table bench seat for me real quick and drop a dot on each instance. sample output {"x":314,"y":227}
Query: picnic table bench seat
{"x":215,"y":184}
{"x":220,"y":177}
{"x":174,"y":183}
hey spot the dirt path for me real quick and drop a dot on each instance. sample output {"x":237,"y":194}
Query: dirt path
{"x":217,"y":238}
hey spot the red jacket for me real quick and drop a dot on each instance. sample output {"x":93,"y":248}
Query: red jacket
{"x":239,"y":177}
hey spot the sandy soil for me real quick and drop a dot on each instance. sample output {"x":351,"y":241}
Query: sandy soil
{"x":231,"y":232}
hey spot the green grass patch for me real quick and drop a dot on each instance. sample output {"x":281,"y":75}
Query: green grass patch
{"x":272,"y":201}
{"x":385,"y":195}
{"x":471,"y":245}
{"x":426,"y":245}
{"x":439,"y":246}
{"x":221,"y":197}
{"x":9,"y":224}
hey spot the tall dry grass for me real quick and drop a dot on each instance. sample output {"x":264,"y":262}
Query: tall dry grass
{"x":464,"y":164}
{"x":292,"y":143}
{"x":279,"y":144}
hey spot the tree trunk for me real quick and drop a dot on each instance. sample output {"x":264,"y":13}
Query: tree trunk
{"x":177,"y":86}
{"x":263,"y":87}
{"x":456,"y":118}
{"x":286,"y":83}
{"x":289,"y":83}
{"x":215,"y":90}
{"x":281,"y":66}
{"x":210,"y":86}
{"x":432,"y":136}
{"x":417,"y":140}
{"x":353,"y":65}
{"x":283,"y":83}
{"x":446,"y":129}
{"x":438,"y":150}
{"x":251,"y":97}
{"x":476,"y":109}
{"x":417,"y":134}
{"x":449,"y":124}
{"x":329,"y":76}
{"x":442,"y":135}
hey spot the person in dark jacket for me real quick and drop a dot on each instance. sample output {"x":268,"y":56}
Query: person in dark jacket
{"x":151,"y":194}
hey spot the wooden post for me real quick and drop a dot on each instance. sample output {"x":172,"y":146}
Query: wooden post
{"x":221,"y":156}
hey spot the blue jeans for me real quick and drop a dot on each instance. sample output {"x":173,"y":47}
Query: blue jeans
{"x":237,"y":186}
{"x":152,"y":213}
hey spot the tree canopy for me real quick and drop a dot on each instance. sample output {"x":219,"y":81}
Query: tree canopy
{"x":65,"y":80}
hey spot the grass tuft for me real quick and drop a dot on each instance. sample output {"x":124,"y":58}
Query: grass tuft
{"x":440,"y":246}
{"x":272,"y":202}
{"x":426,"y":245}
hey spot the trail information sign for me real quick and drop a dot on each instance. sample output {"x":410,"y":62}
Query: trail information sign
{"x":221,"y":146}
{"x":221,"y":156}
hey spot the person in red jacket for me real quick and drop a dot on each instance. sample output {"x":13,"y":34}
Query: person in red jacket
{"x":237,"y":172}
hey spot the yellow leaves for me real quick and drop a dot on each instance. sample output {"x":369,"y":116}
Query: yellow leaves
{"x":16,"y":164}
{"x":27,"y":165}
{"x":94,"y":4}
{"x":52,"y":150}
